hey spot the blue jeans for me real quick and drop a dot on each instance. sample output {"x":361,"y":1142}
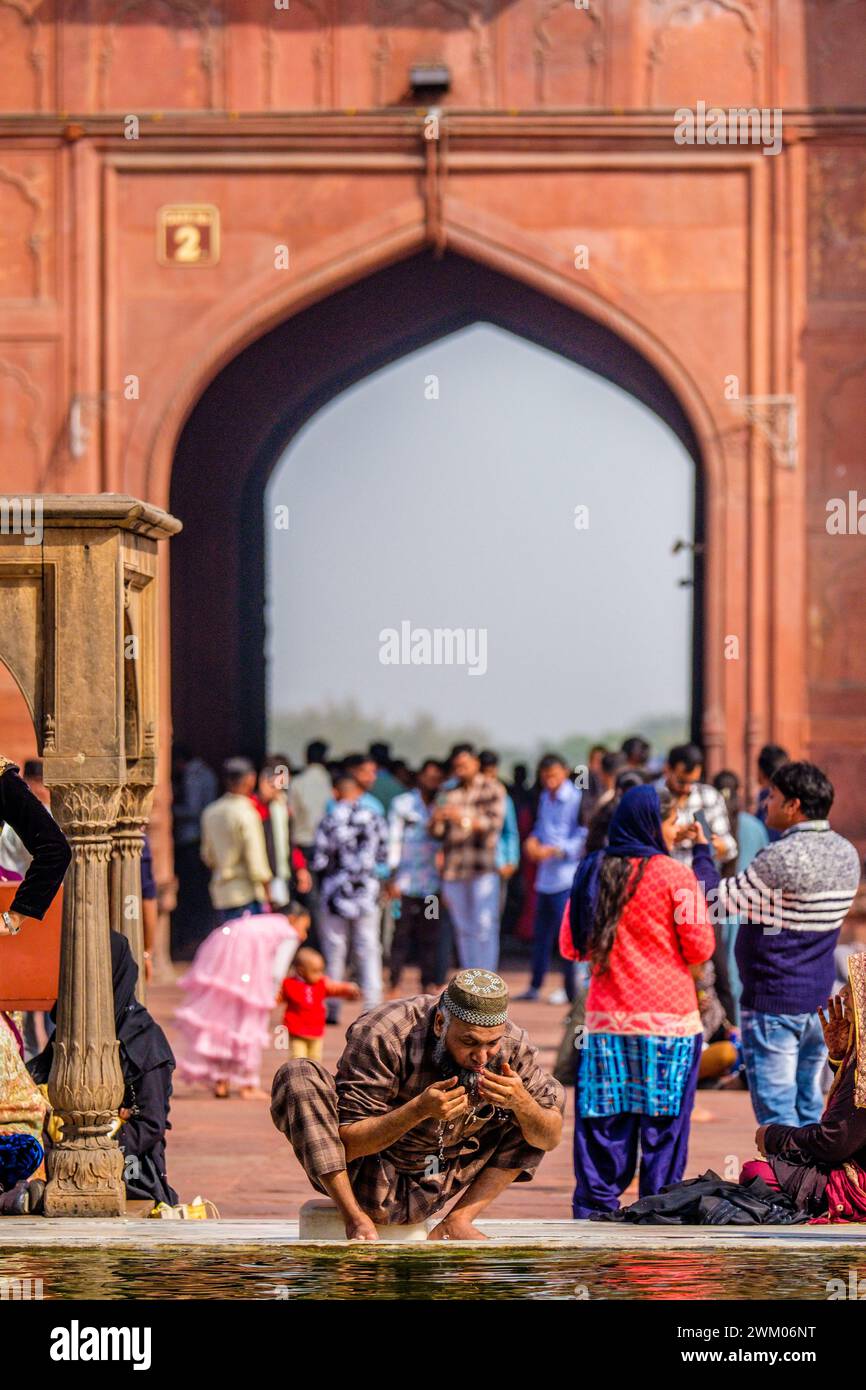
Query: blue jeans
{"x":549,"y":908}
{"x":361,"y":937}
{"x":474,"y":907}
{"x":784,"y":1056}
{"x":228,"y":914}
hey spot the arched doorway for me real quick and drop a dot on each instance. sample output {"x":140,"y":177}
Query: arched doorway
{"x":257,"y":403}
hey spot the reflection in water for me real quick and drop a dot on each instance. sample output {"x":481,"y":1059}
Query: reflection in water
{"x":280,"y":1272}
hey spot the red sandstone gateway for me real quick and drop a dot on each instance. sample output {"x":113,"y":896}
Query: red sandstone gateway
{"x":157,"y":344}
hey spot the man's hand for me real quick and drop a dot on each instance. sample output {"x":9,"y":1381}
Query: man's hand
{"x":759,"y":1140}
{"x":720,"y":847}
{"x":303,"y":880}
{"x":444,"y":1100}
{"x":538,"y":852}
{"x":504,"y":1089}
{"x":507,"y":871}
{"x":836,"y":1027}
{"x":16,"y":919}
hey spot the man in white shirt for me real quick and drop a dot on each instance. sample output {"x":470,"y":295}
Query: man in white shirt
{"x":309,"y":795}
{"x":233,"y":845}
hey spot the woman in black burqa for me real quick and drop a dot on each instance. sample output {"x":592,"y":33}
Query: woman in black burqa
{"x":147,"y":1062}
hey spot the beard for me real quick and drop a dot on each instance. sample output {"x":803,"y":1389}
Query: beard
{"x":465,"y":1075}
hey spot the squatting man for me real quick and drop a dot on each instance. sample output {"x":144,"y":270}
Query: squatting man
{"x":433,"y":1099}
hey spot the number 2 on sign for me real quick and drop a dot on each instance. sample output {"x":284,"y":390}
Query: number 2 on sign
{"x":187,"y":243}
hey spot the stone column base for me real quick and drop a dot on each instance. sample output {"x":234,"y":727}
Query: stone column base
{"x":85,"y":1181}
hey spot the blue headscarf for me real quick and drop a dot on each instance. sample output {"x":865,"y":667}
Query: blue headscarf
{"x":635,"y":833}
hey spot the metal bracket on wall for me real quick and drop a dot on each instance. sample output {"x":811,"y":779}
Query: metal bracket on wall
{"x":79,"y":431}
{"x":776,"y":418}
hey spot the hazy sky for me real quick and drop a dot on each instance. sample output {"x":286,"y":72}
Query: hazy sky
{"x":459,"y":512}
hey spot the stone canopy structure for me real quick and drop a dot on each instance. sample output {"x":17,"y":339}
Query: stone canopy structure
{"x":216,"y":216}
{"x":78,"y":630}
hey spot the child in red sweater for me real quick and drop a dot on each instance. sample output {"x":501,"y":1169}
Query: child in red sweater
{"x":304,"y":993}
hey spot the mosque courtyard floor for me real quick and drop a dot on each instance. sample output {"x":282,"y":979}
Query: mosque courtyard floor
{"x":229,"y":1152}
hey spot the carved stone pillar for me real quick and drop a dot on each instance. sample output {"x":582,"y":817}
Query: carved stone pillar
{"x":125,"y":886}
{"x":85,"y":1087}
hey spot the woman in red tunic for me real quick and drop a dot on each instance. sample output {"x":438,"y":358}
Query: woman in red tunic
{"x":639,"y":917}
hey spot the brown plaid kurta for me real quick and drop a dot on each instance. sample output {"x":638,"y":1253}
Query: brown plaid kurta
{"x":472,"y":852}
{"x":387,"y":1061}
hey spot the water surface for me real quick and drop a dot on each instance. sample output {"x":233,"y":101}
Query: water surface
{"x":277,"y":1272}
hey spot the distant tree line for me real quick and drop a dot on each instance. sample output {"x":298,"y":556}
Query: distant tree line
{"x":347,"y":728}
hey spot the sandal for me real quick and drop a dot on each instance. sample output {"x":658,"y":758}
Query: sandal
{"x":199,"y":1209}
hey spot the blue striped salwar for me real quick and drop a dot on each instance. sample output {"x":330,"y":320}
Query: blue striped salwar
{"x":632,"y":1073}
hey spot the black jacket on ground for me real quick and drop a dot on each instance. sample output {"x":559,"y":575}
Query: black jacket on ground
{"x":711,"y":1201}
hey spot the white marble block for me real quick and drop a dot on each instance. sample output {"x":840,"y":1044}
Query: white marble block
{"x":321,"y":1220}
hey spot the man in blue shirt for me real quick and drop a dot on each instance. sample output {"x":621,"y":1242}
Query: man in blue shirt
{"x":415,"y":880}
{"x":771,"y":757}
{"x":556,"y":844}
{"x":508,"y":844}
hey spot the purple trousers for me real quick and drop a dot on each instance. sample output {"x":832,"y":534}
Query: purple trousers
{"x":606,"y":1150}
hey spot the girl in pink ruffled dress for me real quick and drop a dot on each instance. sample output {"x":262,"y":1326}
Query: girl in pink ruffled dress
{"x":230,"y":991}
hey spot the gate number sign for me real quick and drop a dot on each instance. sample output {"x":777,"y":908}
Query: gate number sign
{"x":188,"y":234}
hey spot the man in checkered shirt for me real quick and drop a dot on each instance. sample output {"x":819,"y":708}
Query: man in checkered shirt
{"x":434,"y":1098}
{"x":467,"y":819}
{"x":682,"y":776}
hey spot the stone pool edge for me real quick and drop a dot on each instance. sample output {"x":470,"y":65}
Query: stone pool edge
{"x":142,"y":1234}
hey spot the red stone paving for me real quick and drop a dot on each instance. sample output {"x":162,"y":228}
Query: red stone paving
{"x":230,"y":1152}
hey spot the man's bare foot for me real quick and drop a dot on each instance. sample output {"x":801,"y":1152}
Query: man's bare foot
{"x":360,"y":1227}
{"x":253,"y":1093}
{"x":452,"y":1228}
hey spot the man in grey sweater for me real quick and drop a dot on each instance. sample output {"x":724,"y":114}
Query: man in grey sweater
{"x":791,"y":902}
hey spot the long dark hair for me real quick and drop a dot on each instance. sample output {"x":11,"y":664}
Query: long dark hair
{"x":618,"y":881}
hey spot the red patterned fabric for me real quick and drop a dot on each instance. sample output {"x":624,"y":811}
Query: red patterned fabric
{"x":845,"y":1195}
{"x":759,"y":1168}
{"x":647,"y":987}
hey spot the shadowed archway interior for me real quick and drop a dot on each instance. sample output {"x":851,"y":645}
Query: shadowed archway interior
{"x":253,"y":408}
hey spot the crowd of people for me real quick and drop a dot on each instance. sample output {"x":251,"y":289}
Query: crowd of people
{"x":697,"y":942}
{"x":641,"y":881}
